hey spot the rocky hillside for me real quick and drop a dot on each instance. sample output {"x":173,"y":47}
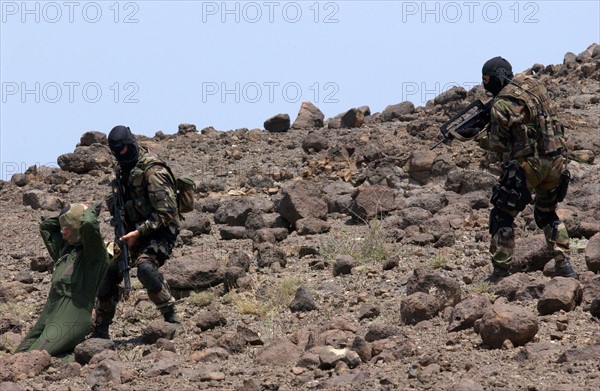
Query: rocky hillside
{"x":330,"y":254}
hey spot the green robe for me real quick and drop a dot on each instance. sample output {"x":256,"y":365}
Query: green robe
{"x":67,"y":315}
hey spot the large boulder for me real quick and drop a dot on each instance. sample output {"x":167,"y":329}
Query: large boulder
{"x":280,"y":352}
{"x":592,"y":253}
{"x":419,"y":165}
{"x":456,"y":93}
{"x":32,"y":363}
{"x":401,"y":111}
{"x":467,"y":312}
{"x":353,"y":118}
{"x":86,"y":158}
{"x":234,"y":211}
{"x":299,"y":201}
{"x":157,"y":329}
{"x":194,"y":271}
{"x":196,"y":222}
{"x":418,"y":307}
{"x":303,"y":301}
{"x":93,"y":137}
{"x":372,"y":202}
{"x":339,"y":196}
{"x":531,"y":253}
{"x":39,"y":199}
{"x":309,"y":117}
{"x":278,"y":123}
{"x":90,"y":347}
{"x":315,"y":142}
{"x":560,"y":293}
{"x":503,"y":322}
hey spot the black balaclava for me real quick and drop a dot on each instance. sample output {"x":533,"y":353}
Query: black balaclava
{"x":500,"y":72}
{"x":119,"y":137}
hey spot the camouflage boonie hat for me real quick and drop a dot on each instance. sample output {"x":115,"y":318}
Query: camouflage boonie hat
{"x":71,"y":218}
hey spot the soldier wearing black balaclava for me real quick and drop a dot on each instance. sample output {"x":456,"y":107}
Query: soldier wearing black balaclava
{"x":151,"y":225}
{"x":525,"y":133}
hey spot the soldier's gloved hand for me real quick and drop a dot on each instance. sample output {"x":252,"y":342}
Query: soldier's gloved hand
{"x":469,"y":132}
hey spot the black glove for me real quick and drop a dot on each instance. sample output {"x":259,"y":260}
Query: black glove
{"x":469,"y":132}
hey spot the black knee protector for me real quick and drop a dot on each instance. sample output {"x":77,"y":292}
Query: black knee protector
{"x":511,"y":194}
{"x":109,"y":286}
{"x":150,"y":277}
{"x":499,"y":219}
{"x":543,"y":219}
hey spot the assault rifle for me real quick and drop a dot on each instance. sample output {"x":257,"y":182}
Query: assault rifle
{"x":466,"y":129}
{"x":119,"y":224}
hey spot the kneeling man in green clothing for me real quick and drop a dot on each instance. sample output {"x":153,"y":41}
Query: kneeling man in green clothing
{"x":75,"y":244}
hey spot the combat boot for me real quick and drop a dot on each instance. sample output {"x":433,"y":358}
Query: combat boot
{"x":563,"y":268}
{"x":101,"y":330}
{"x":169,"y":314}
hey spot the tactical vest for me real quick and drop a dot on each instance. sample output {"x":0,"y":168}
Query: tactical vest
{"x":137,"y":205}
{"x":544,"y":135}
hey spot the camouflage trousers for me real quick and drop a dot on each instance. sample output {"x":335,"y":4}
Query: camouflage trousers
{"x":148,"y":257}
{"x":543,"y":176}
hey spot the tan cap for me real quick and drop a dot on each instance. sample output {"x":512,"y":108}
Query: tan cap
{"x":72,"y":219}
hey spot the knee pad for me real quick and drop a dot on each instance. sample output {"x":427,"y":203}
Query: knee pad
{"x":149,"y":276}
{"x":499,"y":219}
{"x":543,"y":218}
{"x":511,"y":194}
{"x":556,"y":233}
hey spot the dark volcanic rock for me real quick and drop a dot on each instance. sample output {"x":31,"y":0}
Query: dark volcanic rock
{"x":353,"y":118}
{"x":194,"y":271}
{"x":278,"y":123}
{"x":343,"y":265}
{"x":303,"y":301}
{"x":156,"y":330}
{"x":299,"y":201}
{"x":210,"y":319}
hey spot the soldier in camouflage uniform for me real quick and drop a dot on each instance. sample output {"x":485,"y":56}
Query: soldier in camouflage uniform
{"x":74,"y":242}
{"x":527,"y":136}
{"x":151,"y":225}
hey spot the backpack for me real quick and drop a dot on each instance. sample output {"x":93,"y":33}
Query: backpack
{"x":549,"y":131}
{"x":184,"y":186}
{"x":185,"y":193}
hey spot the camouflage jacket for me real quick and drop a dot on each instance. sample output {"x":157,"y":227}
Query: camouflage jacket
{"x":523,"y":123}
{"x":150,"y":196}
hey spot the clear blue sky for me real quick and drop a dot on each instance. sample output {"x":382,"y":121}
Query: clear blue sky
{"x":67,"y":67}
